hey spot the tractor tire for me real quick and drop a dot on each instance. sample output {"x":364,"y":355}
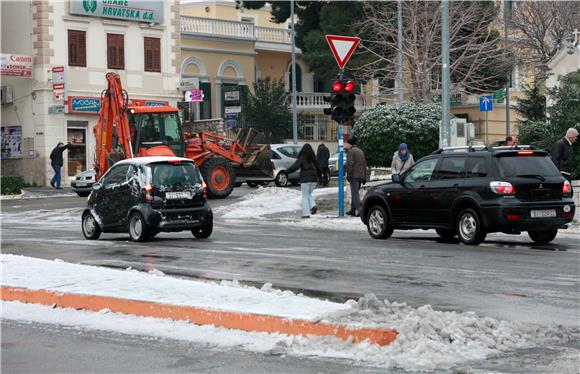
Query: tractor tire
{"x":219,"y":176}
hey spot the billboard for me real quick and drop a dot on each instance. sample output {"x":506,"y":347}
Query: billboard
{"x":11,"y":142}
{"x":126,"y":10}
{"x":16,"y":65}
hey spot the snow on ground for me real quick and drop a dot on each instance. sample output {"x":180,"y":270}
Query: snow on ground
{"x":428,"y":339}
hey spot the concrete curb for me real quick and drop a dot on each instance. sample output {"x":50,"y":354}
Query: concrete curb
{"x":200,"y":316}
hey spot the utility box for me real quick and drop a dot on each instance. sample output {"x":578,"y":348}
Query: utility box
{"x":7,"y":96}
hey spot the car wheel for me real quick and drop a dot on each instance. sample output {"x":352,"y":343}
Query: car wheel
{"x":264,"y":183}
{"x":238,"y":184}
{"x":281,"y":179}
{"x":203,"y":232}
{"x":543,"y":236}
{"x":378,"y":223}
{"x":83,"y":194}
{"x":252,"y":184}
{"x":445,"y":234}
{"x":470,"y":230}
{"x":138,"y":230}
{"x":91,"y":229}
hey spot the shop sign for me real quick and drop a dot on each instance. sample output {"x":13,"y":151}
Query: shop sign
{"x":127,"y":10}
{"x":194,"y":95}
{"x":84,"y":105}
{"x":232,"y":109}
{"x":189,"y":83}
{"x":11,"y":142}
{"x":156,"y":103}
{"x":15,"y":65}
{"x":56,"y":109}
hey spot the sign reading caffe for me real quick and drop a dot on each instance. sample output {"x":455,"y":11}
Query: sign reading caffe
{"x":127,"y":10}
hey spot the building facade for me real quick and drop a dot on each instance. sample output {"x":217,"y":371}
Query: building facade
{"x":71,"y":46}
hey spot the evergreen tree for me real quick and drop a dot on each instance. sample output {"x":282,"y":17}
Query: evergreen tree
{"x":533,"y":105}
{"x":266,"y":110}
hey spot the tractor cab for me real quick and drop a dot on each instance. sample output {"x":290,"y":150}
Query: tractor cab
{"x":156,"y":131}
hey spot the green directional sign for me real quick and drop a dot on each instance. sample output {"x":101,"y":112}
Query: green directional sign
{"x":499,"y":96}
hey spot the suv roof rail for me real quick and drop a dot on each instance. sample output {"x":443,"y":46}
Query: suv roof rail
{"x":514,"y":147}
{"x":462,"y":148}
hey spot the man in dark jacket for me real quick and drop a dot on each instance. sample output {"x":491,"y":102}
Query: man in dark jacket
{"x":322,"y":155}
{"x":56,"y":163}
{"x":563,"y":155}
{"x":356,"y":174}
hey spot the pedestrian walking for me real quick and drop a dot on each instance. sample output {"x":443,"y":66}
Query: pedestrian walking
{"x":309,"y":176}
{"x":402,"y":160}
{"x":356,"y":174}
{"x":322,"y":156}
{"x":56,"y":163}
{"x":563,"y":154}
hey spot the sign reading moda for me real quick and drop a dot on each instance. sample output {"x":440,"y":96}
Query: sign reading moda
{"x":128,"y":10}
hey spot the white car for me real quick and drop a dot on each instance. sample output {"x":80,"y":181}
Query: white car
{"x":83,"y":182}
{"x":333,"y":162}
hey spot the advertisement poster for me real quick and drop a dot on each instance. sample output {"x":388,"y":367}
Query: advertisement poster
{"x":16,"y":65}
{"x":11,"y":142}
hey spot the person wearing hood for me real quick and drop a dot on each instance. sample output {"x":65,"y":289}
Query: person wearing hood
{"x":402,"y":160}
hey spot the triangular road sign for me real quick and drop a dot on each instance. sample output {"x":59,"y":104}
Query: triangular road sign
{"x":342,"y":47}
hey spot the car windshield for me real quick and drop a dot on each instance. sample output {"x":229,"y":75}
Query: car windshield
{"x":166,"y":175}
{"x":512,"y":166}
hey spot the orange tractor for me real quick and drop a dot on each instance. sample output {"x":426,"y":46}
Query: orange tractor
{"x":127,"y":129}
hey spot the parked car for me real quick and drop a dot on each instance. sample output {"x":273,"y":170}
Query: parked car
{"x":472,"y":191}
{"x":83,"y":182}
{"x":146,"y":195}
{"x":283,"y":156}
{"x":333,"y":162}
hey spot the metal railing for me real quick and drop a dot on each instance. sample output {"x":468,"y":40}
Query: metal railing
{"x":236,"y":29}
{"x":315,"y":100}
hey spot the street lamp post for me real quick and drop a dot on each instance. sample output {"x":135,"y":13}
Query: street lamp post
{"x":294,"y":115}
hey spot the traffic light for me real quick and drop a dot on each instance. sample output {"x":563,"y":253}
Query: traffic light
{"x":341,"y":100}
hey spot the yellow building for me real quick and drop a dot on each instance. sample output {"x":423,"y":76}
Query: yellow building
{"x":224,"y":50}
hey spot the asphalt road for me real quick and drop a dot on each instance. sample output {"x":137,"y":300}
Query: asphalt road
{"x":506,"y":277}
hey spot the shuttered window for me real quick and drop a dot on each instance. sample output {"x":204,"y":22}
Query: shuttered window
{"x":152,"y":54}
{"x":77,"y":48}
{"x":115,"y":51}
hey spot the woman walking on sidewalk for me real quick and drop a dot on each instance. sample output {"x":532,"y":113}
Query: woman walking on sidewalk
{"x":309,"y":176}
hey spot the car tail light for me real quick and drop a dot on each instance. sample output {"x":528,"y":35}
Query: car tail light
{"x":204,"y":189}
{"x":566,"y":188}
{"x":525,"y":153}
{"x":148,"y":189}
{"x":513,"y":216}
{"x":273,"y":166}
{"x":502,"y":188}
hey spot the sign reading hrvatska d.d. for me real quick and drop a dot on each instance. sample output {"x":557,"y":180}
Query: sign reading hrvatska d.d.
{"x":342,"y":48}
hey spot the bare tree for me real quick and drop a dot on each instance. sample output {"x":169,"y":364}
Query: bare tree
{"x":477,"y":62}
{"x":540,"y":27}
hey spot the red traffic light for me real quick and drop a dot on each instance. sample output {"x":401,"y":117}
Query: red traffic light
{"x":349,"y":86}
{"x":337,"y":86}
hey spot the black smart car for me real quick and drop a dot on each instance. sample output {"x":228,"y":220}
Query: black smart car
{"x":472,"y":191}
{"x":146,"y":195}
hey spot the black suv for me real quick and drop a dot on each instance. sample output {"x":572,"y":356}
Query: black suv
{"x":146,"y":195}
{"x":471,"y":191}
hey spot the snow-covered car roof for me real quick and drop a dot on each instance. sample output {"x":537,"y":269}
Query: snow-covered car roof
{"x":151,"y":159}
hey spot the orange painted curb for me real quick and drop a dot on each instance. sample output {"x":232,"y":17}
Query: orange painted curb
{"x":199,"y":316}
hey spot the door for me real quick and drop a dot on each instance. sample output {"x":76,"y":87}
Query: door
{"x":408,"y":205}
{"x":446,"y":185}
{"x":112,"y":187}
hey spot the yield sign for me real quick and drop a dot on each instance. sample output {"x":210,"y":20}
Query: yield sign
{"x":342,"y":47}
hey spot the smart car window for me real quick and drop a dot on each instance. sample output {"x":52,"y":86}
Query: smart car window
{"x":167,"y":175}
{"x":116,"y":176}
{"x":451,"y":168}
{"x":421,"y":171}
{"x":512,"y":166}
{"x":476,"y":167}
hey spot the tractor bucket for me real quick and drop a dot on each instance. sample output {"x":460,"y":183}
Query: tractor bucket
{"x":256,"y":164}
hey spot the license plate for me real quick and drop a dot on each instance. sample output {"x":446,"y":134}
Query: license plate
{"x":178,"y":195}
{"x":543,"y":213}
{"x":81,"y":184}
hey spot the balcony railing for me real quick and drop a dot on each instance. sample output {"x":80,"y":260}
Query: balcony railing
{"x":233,"y":29}
{"x":316,"y":101}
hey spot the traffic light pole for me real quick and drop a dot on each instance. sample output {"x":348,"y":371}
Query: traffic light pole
{"x":340,"y":162}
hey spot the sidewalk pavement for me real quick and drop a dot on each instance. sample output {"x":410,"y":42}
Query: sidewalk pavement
{"x":40,"y":192}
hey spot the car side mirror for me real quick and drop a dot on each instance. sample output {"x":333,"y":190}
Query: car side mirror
{"x":396,"y":178}
{"x":96,"y":186}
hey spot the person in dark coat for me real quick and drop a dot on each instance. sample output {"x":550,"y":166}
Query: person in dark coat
{"x":322,"y":155}
{"x":309,"y":175}
{"x":356,"y":173}
{"x":563,"y":154}
{"x":56,"y":162}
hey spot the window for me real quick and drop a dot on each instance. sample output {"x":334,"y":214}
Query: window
{"x":511,"y":166}
{"x":276,"y":156}
{"x":77,"y":48}
{"x":451,"y":168}
{"x":421,"y":171}
{"x":116,"y":176}
{"x":476,"y":167}
{"x":115,"y":51}
{"x":290,"y":151}
{"x":152,"y":47}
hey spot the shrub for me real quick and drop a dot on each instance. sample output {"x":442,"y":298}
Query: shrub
{"x":11,"y":185}
{"x":380,"y":131}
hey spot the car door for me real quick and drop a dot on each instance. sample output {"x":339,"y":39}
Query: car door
{"x":445,"y":186}
{"x":111,"y":191}
{"x":408,"y":203}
